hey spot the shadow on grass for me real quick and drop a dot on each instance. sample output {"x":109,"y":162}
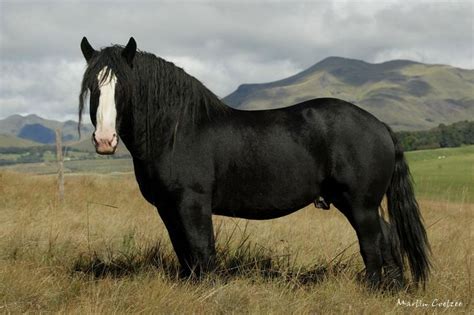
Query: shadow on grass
{"x":126,"y":263}
{"x":236,"y":260}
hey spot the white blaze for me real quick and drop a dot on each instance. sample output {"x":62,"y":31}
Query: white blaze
{"x":106,"y":112}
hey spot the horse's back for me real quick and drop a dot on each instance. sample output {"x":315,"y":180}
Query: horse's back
{"x":340,"y":125}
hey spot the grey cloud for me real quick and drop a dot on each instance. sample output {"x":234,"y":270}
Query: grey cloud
{"x":47,"y":87}
{"x":223,"y":44}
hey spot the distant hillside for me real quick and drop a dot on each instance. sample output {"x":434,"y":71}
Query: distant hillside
{"x":12,"y":141}
{"x":19,"y":131}
{"x":405,"y":94}
{"x":38,"y":133}
{"x":35,"y":128}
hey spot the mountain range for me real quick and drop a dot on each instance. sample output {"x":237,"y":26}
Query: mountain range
{"x":37,"y":130}
{"x":405,"y":94}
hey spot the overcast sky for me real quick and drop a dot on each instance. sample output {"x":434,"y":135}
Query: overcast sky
{"x":222,"y":43}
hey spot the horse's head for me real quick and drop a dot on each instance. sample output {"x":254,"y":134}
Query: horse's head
{"x":106,"y":82}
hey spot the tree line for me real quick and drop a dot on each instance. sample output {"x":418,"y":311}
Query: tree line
{"x":443,"y":136}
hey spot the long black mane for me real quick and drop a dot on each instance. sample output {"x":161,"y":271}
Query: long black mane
{"x":156,"y":90}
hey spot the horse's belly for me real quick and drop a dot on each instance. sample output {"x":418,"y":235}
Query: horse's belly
{"x":266,"y":202}
{"x":254,"y":214}
{"x":275,"y":179}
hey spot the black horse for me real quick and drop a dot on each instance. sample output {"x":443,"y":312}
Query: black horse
{"x":194,"y":157}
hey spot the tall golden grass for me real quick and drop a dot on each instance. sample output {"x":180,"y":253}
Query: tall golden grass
{"x":105,"y":250}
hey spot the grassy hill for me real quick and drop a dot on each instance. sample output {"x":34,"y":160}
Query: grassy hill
{"x":12,"y":141}
{"x":405,"y":94}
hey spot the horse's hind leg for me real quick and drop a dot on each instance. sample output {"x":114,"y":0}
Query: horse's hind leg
{"x":366,"y":223}
{"x":392,"y":260}
{"x":369,"y":233}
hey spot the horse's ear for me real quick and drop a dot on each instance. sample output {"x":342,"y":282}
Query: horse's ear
{"x":129,"y":51}
{"x":87,"y":49}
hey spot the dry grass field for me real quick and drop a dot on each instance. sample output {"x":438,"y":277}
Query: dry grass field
{"x":105,"y":250}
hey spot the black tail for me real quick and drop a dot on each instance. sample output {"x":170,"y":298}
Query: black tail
{"x":404,"y":214}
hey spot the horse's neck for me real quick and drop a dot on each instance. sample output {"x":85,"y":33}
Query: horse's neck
{"x":152,"y":133}
{"x":143,"y":139}
{"x":135,"y":132}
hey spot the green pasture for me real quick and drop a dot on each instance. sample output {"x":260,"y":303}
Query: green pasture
{"x":444,"y":174}
{"x":9,"y":156}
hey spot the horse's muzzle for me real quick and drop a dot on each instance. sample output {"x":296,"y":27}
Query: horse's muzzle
{"x":105,"y":145}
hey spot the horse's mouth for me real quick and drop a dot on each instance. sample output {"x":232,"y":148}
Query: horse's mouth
{"x":105,"y":150}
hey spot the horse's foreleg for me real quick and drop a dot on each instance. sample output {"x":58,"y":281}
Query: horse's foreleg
{"x":190,"y":228}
